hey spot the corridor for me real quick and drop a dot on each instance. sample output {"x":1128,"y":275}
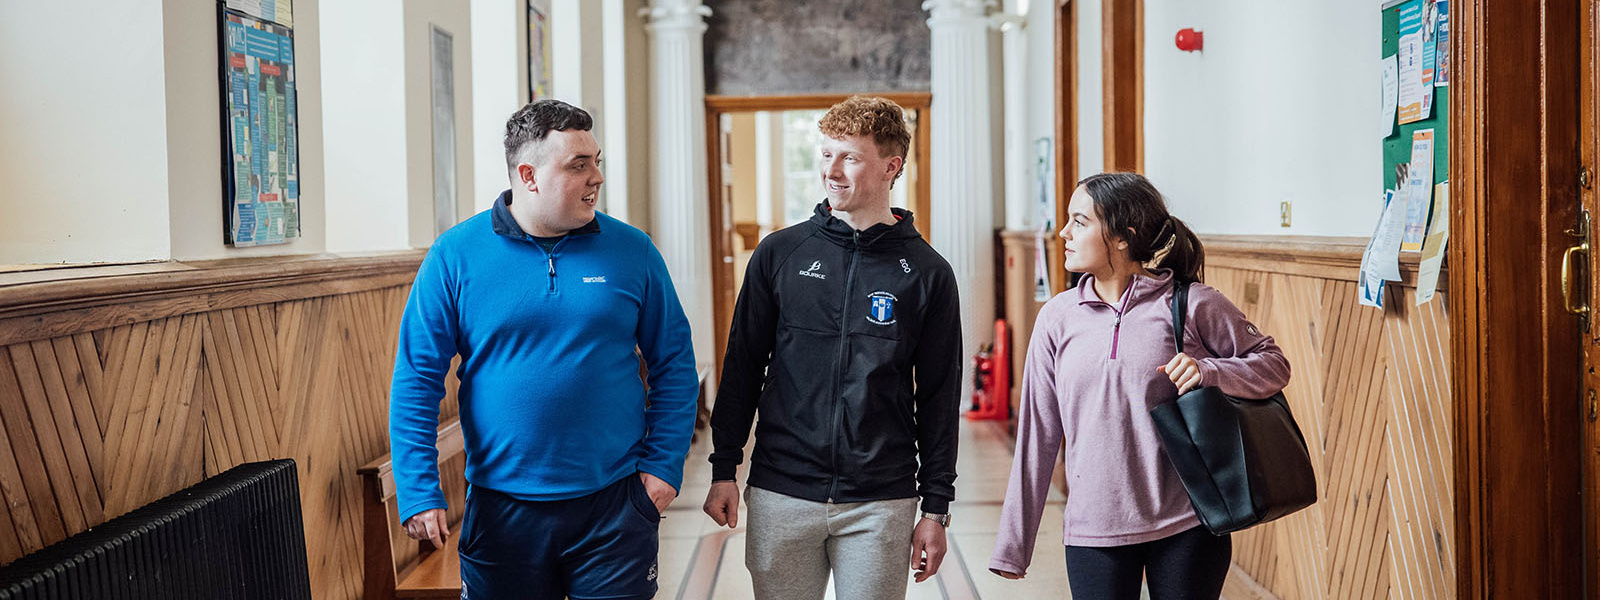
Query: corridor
{"x":700,"y":561}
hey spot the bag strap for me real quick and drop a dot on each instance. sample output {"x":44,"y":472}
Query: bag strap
{"x":1180,"y":304}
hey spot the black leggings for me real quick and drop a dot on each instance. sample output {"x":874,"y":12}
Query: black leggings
{"x":1188,"y":565}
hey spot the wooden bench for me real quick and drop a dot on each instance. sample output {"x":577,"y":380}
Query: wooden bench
{"x":394,"y":565}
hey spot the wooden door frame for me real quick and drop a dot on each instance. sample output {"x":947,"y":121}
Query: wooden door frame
{"x":1514,"y":169}
{"x":1066,"y":146}
{"x":1122,"y":65}
{"x":722,"y":288}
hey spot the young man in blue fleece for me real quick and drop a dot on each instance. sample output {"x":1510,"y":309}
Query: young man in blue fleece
{"x":570,"y":459}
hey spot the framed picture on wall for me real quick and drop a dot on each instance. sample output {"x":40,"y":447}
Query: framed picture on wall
{"x":538,"y":51}
{"x":260,"y":129}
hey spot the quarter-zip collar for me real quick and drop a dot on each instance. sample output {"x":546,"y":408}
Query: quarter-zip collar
{"x":1139,"y":289}
{"x":505,"y":224}
{"x":879,"y":235}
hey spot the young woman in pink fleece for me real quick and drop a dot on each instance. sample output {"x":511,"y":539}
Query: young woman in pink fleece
{"x":1101,"y":356}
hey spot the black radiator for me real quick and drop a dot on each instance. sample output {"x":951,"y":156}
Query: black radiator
{"x":237,"y":535}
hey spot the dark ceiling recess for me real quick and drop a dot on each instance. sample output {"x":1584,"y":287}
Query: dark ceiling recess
{"x":781,"y":47}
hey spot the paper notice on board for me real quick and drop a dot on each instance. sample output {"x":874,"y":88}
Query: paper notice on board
{"x":1391,"y":226}
{"x":1441,"y":77}
{"x":1391,"y":95}
{"x":1418,"y":190}
{"x":1433,"y":247}
{"x":1381,"y":259}
{"x":1430,"y":24}
{"x":1409,"y":57}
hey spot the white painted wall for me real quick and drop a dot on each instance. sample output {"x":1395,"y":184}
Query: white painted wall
{"x":1037,"y":120}
{"x":1091,"y":86}
{"x":1279,"y":105}
{"x":499,"y":60}
{"x":364,"y":138}
{"x":615,"y":15}
{"x":577,"y":75}
{"x":85,"y":132}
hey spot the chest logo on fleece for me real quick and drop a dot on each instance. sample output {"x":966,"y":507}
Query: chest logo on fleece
{"x":599,"y":279}
{"x":882,"y":310}
{"x":812,"y":272}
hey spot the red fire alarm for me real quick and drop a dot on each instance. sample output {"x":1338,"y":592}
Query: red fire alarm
{"x":1189,"y":40}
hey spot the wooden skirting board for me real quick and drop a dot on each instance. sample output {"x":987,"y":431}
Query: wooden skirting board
{"x":121,"y":384}
{"x":1371,"y":392}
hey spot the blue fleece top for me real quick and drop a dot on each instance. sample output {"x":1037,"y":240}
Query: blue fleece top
{"x":552,"y":406}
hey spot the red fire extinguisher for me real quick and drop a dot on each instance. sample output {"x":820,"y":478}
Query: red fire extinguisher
{"x":991,"y":382}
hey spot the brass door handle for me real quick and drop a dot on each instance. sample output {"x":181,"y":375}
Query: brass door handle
{"x":1566,"y":278}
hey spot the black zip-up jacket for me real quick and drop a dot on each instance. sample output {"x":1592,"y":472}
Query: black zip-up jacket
{"x":848,"y":344}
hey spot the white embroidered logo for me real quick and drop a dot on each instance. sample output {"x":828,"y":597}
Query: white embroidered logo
{"x":652,"y":575}
{"x":905,"y":265}
{"x":600,"y":279}
{"x":812,"y":272}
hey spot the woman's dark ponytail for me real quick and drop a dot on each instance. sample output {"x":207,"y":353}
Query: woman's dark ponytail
{"x":1130,"y":205}
{"x":1184,"y":254}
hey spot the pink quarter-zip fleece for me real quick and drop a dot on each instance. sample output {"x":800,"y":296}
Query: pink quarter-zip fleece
{"x":1088,"y":386}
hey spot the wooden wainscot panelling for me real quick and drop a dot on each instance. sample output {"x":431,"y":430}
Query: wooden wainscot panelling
{"x":120,"y":385}
{"x":1371,"y":392}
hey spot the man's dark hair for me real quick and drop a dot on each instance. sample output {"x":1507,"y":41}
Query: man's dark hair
{"x":528,"y":127}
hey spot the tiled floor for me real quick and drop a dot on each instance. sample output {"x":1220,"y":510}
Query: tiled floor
{"x":983,"y":465}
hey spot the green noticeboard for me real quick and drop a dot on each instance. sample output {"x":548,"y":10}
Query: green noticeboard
{"x":1397,"y":147}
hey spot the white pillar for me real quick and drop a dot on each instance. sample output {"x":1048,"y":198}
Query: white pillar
{"x":1019,"y":154}
{"x":678,"y":162}
{"x":962,"y":203}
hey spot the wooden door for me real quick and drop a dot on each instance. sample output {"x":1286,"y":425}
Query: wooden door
{"x":1518,"y":385}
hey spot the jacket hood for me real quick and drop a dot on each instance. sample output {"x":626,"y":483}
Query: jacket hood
{"x":876,"y":236}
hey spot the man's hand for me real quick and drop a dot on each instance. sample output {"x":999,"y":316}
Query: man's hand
{"x":1005,"y":574}
{"x":429,"y":525}
{"x":722,"y":503}
{"x":927,"y":549}
{"x":661,"y":492}
{"x":1183,"y":371}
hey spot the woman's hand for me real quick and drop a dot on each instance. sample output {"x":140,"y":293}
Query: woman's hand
{"x":1184,"y":372}
{"x":1005,"y":574}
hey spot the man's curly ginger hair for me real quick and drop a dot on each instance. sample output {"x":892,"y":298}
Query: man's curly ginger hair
{"x":878,"y":118}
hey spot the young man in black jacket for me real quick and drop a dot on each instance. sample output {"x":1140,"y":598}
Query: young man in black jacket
{"x":847,"y":341}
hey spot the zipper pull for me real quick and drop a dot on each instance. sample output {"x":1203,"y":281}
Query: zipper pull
{"x":552,"y":261}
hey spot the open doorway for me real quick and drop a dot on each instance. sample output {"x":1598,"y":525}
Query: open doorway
{"x":765,"y":176}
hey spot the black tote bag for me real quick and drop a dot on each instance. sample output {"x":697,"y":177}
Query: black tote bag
{"x":1243,"y":461}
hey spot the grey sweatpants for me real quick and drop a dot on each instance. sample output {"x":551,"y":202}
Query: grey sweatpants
{"x":791,"y":544}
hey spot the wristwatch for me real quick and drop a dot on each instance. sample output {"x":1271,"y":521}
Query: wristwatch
{"x":942,"y":519}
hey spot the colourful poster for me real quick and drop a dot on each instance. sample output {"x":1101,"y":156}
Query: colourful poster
{"x":1441,"y":77}
{"x":1430,"y":55}
{"x":1411,"y":64}
{"x":262,"y":191}
{"x":276,"y":11}
{"x":538,"y":53}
